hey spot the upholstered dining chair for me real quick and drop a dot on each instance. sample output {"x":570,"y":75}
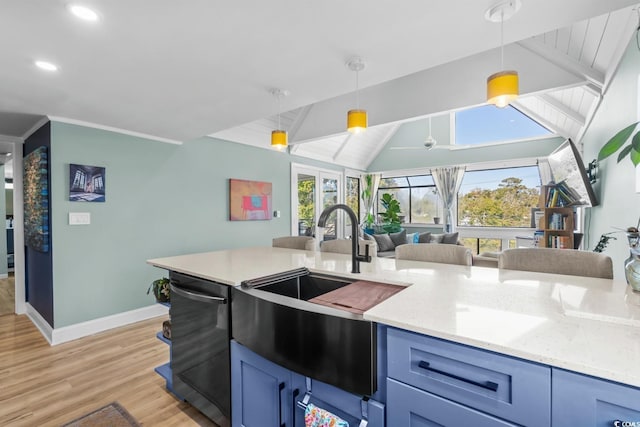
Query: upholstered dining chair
{"x":435,"y":252}
{"x":294,"y":242}
{"x":558,"y":261}
{"x":343,"y":246}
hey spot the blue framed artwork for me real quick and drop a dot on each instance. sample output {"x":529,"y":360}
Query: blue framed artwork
{"x":86,"y":183}
{"x":36,"y":200}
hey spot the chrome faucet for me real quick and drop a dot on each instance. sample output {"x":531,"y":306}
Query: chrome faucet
{"x":355,"y":257}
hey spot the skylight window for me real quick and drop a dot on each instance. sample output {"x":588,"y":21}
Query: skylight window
{"x":488,"y":124}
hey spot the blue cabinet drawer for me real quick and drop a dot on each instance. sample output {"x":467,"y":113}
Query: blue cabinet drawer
{"x":580,"y":400}
{"x":503,"y":386}
{"x":409,"y":407}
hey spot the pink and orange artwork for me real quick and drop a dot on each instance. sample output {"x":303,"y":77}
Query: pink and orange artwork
{"x":249,"y":200}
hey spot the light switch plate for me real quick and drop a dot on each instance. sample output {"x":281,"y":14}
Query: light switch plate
{"x":79,"y":218}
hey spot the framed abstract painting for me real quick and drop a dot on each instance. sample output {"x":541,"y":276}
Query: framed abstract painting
{"x":36,"y":200}
{"x":249,"y":200}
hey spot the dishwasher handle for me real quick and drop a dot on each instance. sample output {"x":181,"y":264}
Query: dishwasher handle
{"x":197,"y":296}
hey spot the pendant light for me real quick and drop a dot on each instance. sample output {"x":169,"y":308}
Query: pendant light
{"x":356,"y":119}
{"x":279,"y":136}
{"x":502,"y":87}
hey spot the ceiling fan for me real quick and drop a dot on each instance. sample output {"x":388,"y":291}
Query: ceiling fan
{"x":428,"y":144}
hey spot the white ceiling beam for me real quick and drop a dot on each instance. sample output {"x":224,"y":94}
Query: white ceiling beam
{"x":628,"y":32}
{"x":374,"y":153}
{"x":452,"y":86}
{"x":544,"y":122}
{"x":562,"y":108}
{"x":302,"y":115}
{"x":345,"y":141}
{"x":564,"y":61}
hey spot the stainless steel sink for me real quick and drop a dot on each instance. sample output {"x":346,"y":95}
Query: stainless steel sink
{"x":272,"y":317}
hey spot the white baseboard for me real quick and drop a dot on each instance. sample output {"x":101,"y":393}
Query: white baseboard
{"x":79,"y":330}
{"x":36,"y":318}
{"x":4,"y":275}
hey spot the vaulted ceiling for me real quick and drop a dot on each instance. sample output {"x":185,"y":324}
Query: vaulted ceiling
{"x":179,"y":72}
{"x":584,"y":54}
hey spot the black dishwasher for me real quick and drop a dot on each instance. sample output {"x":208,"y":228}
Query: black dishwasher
{"x":200,"y":335}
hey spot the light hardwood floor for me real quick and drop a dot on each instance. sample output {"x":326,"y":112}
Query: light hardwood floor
{"x":41,"y":385}
{"x":7,"y":295}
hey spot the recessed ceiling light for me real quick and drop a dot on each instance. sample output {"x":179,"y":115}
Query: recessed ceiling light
{"x":48,"y":66}
{"x":83,"y":12}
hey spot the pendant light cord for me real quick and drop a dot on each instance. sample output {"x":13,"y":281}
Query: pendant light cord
{"x":502,"y":39}
{"x":357,"y":91}
{"x":279,"y":97}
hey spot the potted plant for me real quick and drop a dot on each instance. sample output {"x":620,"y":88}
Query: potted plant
{"x":391,"y":215}
{"x":160,"y":289}
{"x":618,"y":140}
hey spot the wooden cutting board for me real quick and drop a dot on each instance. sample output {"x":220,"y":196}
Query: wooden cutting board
{"x":357,"y":297}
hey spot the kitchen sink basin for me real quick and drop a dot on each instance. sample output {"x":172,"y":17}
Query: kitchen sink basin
{"x":291,"y":319}
{"x":300,"y":285}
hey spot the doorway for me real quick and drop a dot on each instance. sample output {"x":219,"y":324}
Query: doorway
{"x":312,"y":190}
{"x":12,"y":290}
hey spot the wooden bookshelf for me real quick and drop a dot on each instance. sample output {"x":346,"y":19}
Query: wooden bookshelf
{"x":558,"y":228}
{"x":557,"y":223}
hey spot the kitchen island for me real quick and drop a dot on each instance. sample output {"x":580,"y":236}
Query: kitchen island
{"x":585,"y":325}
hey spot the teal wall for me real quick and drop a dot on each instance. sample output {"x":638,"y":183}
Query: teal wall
{"x":619,"y":203}
{"x":413,"y":134}
{"x":161,"y":200}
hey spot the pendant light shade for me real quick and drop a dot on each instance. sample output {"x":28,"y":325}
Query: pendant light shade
{"x":356,"y":121}
{"x":356,"y":118}
{"x":502,"y":88}
{"x":279,"y":139}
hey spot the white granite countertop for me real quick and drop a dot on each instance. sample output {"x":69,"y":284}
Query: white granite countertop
{"x":581,"y":324}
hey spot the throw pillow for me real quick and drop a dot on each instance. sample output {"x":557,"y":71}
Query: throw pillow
{"x":384,"y":242}
{"x":450,"y":238}
{"x":424,"y":237}
{"x":436,"y":238}
{"x":416,"y":237}
{"x":399,"y":238}
{"x":410,"y":237}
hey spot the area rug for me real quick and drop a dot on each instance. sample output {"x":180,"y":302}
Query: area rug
{"x":111,"y":415}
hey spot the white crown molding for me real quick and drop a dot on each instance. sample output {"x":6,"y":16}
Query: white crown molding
{"x":113,"y":129}
{"x":72,"y":332}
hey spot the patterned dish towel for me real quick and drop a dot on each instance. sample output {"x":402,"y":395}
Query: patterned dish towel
{"x":318,"y":417}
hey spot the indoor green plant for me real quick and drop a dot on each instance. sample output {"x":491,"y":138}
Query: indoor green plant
{"x":390,"y":217}
{"x":160,"y":289}
{"x":618,"y":140}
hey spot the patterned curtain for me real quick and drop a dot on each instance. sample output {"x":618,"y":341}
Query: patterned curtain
{"x":448,"y":182}
{"x":368,"y":189}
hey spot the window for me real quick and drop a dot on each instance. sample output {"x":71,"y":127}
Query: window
{"x":498,"y":197}
{"x":488,"y":124}
{"x":352,"y":196}
{"x":417,"y":195}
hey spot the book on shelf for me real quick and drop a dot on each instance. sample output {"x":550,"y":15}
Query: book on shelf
{"x":560,"y":195}
{"x":559,"y":242}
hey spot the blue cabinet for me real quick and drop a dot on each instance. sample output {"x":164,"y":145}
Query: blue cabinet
{"x":580,"y":400}
{"x":410,"y":407}
{"x":264,"y":394}
{"x":261,"y":393}
{"x":443,"y":378}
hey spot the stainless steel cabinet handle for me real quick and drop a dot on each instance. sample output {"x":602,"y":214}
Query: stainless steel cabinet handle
{"x":489,"y":385}
{"x":197,"y":296}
